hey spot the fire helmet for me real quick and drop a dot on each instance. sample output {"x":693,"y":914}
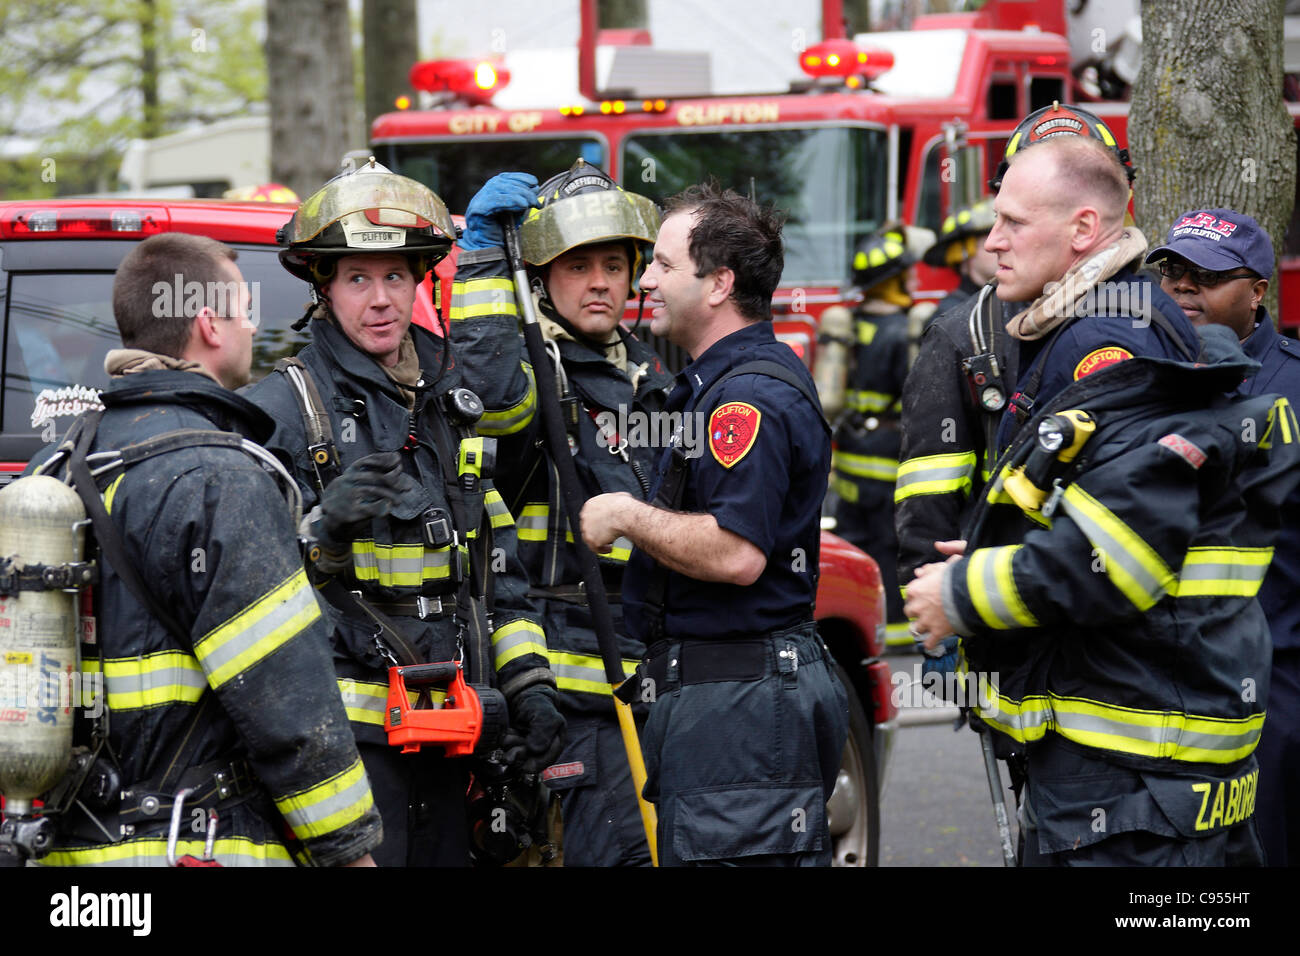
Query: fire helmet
{"x":369,"y":209}
{"x":887,"y":252}
{"x":966,"y":223}
{"x":1060,"y":120}
{"x":581,"y":206}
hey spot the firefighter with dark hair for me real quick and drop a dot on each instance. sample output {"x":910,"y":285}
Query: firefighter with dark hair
{"x":209,"y":639}
{"x":416,"y":550}
{"x":585,"y":241}
{"x":867,"y":435}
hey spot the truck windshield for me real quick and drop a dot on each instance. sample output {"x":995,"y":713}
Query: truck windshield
{"x":456,"y":169}
{"x":830,"y":182}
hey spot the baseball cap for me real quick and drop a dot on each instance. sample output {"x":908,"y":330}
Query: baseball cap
{"x":1219,"y":240}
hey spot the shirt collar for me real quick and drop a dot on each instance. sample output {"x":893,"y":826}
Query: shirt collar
{"x":724,"y":354}
{"x":1258,"y":343}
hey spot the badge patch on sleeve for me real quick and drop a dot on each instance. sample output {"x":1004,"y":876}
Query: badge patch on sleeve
{"x":732,"y":430}
{"x":1099,"y":359}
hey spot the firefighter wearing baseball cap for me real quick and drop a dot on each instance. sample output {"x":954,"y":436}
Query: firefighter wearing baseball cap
{"x":415,"y":547}
{"x":867,"y":435}
{"x":585,"y":241}
{"x":1216,"y":265}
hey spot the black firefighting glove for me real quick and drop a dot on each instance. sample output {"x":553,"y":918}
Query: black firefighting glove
{"x":536,"y":734}
{"x":367,"y":489}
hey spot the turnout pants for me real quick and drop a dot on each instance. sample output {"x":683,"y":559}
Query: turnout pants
{"x":742,"y":747}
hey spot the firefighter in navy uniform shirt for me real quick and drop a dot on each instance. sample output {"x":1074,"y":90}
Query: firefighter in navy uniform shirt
{"x":1216,"y":265}
{"x":748,"y":722}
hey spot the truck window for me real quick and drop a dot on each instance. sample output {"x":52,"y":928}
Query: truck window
{"x":456,"y":168}
{"x":830,"y":181}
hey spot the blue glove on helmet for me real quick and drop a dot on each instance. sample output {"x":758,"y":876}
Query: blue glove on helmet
{"x":503,"y":193}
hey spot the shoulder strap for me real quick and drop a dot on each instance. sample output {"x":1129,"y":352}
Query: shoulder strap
{"x":315,"y":418}
{"x":772,"y":370}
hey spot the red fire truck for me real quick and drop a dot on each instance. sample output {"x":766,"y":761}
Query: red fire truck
{"x":887,"y":125}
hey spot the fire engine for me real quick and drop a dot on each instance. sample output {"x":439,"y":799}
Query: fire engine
{"x":886,"y":125}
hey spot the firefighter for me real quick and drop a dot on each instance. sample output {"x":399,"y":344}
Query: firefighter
{"x":867,"y":436}
{"x":748,"y":723}
{"x":416,"y":546}
{"x":1139,"y":516}
{"x":211,"y":643}
{"x":1216,"y":265}
{"x":584,"y":269}
{"x":960,"y":247}
{"x":953,"y":397}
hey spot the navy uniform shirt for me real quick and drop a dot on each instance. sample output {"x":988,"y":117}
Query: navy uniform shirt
{"x":1114,"y":330}
{"x":761,"y":470}
{"x":1279,"y":357}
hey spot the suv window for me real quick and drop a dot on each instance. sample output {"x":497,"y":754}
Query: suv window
{"x":56,"y":325}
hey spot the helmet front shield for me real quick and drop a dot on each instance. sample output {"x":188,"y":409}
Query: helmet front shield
{"x":606,"y":215}
{"x":376,"y":207}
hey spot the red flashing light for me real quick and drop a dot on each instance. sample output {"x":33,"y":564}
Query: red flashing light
{"x":1045,"y":60}
{"x":468,"y":79}
{"x":83,"y":221}
{"x":845,"y":58}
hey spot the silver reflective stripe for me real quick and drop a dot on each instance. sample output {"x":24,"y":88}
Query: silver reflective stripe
{"x":252,"y":634}
{"x":997,"y":603}
{"x":143,"y":682}
{"x":945,"y":474}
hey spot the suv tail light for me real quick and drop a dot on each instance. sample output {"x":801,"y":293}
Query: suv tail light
{"x":83,"y":221}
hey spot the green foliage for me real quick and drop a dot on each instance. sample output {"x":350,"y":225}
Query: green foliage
{"x":75,"y":74}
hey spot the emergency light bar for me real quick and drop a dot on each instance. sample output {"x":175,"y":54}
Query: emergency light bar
{"x":845,"y":58}
{"x":468,"y":79}
{"x":83,"y":221}
{"x":618,"y":107}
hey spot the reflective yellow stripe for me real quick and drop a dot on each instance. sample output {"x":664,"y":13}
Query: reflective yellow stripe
{"x":533,"y":522}
{"x":935,"y":475}
{"x":516,"y":639}
{"x":1145,"y":733}
{"x":276,"y":617}
{"x":400,"y":565}
{"x":844,"y":488}
{"x":1282,"y":415}
{"x":865,"y":466}
{"x":898,"y":634}
{"x":1132,"y":565}
{"x":498,"y":513}
{"x":1222,"y":572}
{"x":473,"y":298}
{"x":366,"y":701}
{"x":326,"y":807}
{"x":164,"y":677}
{"x":860,"y":400}
{"x":111,"y":492}
{"x":229,"y":851}
{"x":506,"y":421}
{"x":866,"y":332}
{"x":583,"y":673}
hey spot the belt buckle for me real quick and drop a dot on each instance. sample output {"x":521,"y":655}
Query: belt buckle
{"x":426,"y":607}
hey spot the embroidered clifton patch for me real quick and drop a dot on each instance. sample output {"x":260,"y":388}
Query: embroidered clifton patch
{"x":732,"y":430}
{"x":1100,"y":358}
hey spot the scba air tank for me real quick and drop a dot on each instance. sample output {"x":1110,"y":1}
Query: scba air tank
{"x":41,"y":523}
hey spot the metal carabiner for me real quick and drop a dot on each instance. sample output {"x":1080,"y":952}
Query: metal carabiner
{"x":174,"y":830}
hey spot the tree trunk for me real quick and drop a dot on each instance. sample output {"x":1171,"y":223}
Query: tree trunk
{"x":152,"y":121}
{"x":1208,"y":126}
{"x":390,"y":28}
{"x":314,"y":117}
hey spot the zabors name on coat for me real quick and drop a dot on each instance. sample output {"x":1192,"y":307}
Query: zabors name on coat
{"x":75,"y":909}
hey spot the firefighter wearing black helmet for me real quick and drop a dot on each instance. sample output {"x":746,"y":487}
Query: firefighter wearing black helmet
{"x":583,"y":238}
{"x":867,"y":435}
{"x":415,"y":545}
